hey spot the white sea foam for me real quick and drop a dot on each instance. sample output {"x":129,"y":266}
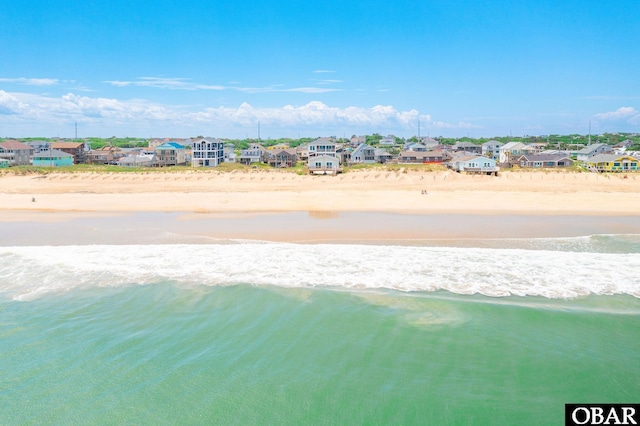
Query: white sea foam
{"x":28,"y":272}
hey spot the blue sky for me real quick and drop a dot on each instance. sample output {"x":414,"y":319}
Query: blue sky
{"x":318,"y":68}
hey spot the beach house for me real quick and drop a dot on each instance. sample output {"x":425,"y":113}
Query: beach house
{"x":104,"y":155}
{"x":430,"y":143}
{"x":357,"y":140}
{"x":427,"y":157}
{"x":592,"y":150}
{"x":170,"y":154}
{"x":137,"y":159}
{"x":256,"y":153}
{"x":510,"y":151}
{"x":473,"y":164}
{"x":544,"y":160}
{"x":207,"y":152}
{"x":52,"y":158}
{"x":491,"y":149}
{"x":415,"y":146}
{"x":613,"y":163}
{"x":467,"y":148}
{"x":76,"y":149}
{"x":283,"y":158}
{"x":321,"y":147}
{"x":16,"y":153}
{"x":382,"y":155}
{"x":230,"y":153}
{"x":388,"y":140}
{"x":363,"y":154}
{"x":324,"y":164}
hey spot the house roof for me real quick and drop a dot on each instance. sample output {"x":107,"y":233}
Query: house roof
{"x":492,"y":143}
{"x":288,"y":151}
{"x":53,"y":153}
{"x":170,"y":145}
{"x":15,"y":145}
{"x":545,"y":157}
{"x":513,"y":145}
{"x":422,"y":154}
{"x":429,"y":141}
{"x":68,"y":145}
{"x":608,"y":158}
{"x":133,"y":159}
{"x":470,"y":157}
{"x":459,"y":144}
{"x":591,"y":148}
{"x":382,"y":151}
{"x":324,"y":141}
{"x":207,"y":139}
{"x":361,"y":147}
{"x":411,"y":146}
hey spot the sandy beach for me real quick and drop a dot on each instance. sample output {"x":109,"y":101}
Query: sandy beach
{"x":364,"y":191}
{"x":357,"y":206}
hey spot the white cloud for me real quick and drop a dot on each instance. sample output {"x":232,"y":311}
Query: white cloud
{"x":279,"y":88}
{"x":22,"y":111}
{"x":185,"y":84}
{"x":323,"y":71}
{"x":164,"y":83}
{"x":628,"y":114}
{"x":328,"y":81}
{"x":31,"y":81}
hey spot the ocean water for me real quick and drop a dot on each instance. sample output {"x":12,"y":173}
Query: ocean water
{"x":221,"y":331}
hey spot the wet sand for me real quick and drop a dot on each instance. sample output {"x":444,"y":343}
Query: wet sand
{"x":301,"y":227}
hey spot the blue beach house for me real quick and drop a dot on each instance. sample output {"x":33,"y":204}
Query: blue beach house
{"x":52,"y":158}
{"x":170,"y":154}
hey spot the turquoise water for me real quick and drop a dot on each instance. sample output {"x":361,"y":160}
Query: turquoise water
{"x":82,"y":344}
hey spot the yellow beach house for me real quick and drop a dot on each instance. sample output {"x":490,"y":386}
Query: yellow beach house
{"x":612,"y":163}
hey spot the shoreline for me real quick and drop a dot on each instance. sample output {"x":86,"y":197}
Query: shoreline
{"x":64,"y":228}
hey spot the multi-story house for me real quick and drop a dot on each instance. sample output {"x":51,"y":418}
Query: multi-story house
{"x":207,"y":152}
{"x":592,"y":150}
{"x":613,"y":163}
{"x":283,"y":158}
{"x":322,"y":146}
{"x":256,"y":153}
{"x":16,"y":153}
{"x":491,"y":149}
{"x":170,"y":154}
{"x":105,"y":155}
{"x":467,"y":148}
{"x":363,"y":154}
{"x":388,"y":140}
{"x":76,"y":149}
{"x":510,"y":151}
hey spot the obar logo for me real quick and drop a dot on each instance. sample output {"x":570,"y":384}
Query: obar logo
{"x":601,"y":414}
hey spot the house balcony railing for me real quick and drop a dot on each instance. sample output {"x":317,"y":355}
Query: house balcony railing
{"x":482,"y":169}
